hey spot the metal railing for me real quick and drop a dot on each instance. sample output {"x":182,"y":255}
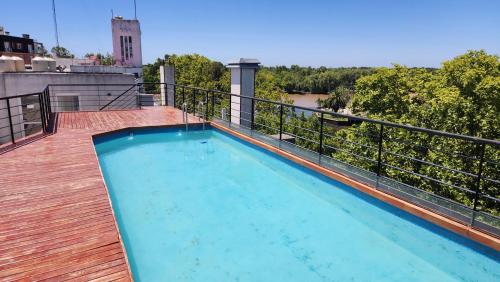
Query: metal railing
{"x":455,"y":175}
{"x":23,"y":117}
{"x":95,"y":97}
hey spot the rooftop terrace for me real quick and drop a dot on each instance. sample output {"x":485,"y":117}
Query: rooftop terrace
{"x":58,"y":222}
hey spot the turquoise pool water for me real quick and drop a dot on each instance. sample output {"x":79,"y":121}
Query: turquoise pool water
{"x":204,"y":206}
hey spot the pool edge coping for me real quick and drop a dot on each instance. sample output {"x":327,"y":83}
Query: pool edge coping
{"x":111,"y":132}
{"x":425,"y":214}
{"x":129,"y":268}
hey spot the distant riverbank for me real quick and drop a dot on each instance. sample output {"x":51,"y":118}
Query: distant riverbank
{"x":307,"y":100}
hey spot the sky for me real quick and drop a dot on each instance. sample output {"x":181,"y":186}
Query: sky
{"x":330,"y":33}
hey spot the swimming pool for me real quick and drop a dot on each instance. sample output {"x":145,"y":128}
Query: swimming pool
{"x":205,"y":206}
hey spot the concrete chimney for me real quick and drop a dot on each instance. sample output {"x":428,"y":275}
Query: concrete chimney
{"x":167,"y":76}
{"x":243,"y":84}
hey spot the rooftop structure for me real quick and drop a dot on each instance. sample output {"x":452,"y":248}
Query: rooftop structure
{"x":21,"y":46}
{"x":127,"y":49}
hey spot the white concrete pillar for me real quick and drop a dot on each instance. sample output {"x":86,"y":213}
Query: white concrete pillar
{"x":162,"y":87}
{"x":242,"y":84}
{"x":167,"y":75}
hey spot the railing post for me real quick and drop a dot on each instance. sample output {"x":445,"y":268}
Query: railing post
{"x":175,"y":95}
{"x":10,"y":122}
{"x":206,"y":105}
{"x":281,"y":122}
{"x":48,"y":101}
{"x":46,"y":97}
{"x":213,"y":104}
{"x":229,"y":110}
{"x":321,"y":134}
{"x":380,"y":139}
{"x":45,"y":110}
{"x":252,"y":114}
{"x":165,"y":89}
{"x":138,"y":97}
{"x":478,"y":178}
{"x":194,"y":101}
{"x":42,"y":111}
{"x":183,"y":94}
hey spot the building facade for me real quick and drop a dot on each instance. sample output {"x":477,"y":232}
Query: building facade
{"x":126,"y":42}
{"x":24,"y":46}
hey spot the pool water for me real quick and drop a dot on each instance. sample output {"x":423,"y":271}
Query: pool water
{"x":205,"y":206}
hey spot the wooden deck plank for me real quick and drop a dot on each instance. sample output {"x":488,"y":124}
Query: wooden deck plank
{"x":57,"y":222}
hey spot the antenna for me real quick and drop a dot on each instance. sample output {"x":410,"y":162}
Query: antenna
{"x":55,"y":21}
{"x":135,"y":10}
{"x":112,"y":14}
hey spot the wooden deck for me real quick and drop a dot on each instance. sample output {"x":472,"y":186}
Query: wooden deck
{"x":56,"y":221}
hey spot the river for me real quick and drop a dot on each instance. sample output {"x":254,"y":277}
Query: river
{"x":306,"y":100}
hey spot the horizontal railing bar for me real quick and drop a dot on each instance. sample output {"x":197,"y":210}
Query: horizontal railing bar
{"x":304,"y":148}
{"x":349,"y":153}
{"x":266,"y":126}
{"x":296,"y":126}
{"x":429,"y":148}
{"x":489,"y":197}
{"x":385,"y":123}
{"x":21,"y":114}
{"x":491,"y":162}
{"x":300,"y":137}
{"x":430,"y":178}
{"x":490,"y":179}
{"x":349,"y":141}
{"x":20,"y":96}
{"x":98,"y":84}
{"x":430,"y":163}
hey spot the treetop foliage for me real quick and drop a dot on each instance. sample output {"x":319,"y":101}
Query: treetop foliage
{"x":461,"y":97}
{"x":61,"y":52}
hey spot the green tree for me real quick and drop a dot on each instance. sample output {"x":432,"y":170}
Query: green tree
{"x":61,"y":52}
{"x":461,"y":97}
{"x":337,"y":99}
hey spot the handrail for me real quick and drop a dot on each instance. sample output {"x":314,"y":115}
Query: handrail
{"x":44,"y":113}
{"x":381,"y":122}
{"x":21,"y":95}
{"x":117,"y":97}
{"x":352,"y":117}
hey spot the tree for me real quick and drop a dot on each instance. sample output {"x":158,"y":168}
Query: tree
{"x":337,"y":99}
{"x":61,"y":52}
{"x":106,"y":60}
{"x":461,"y":97}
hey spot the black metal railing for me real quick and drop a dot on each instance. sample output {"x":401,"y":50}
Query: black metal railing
{"x":24,"y":116}
{"x":94,"y":97}
{"x":455,"y":175}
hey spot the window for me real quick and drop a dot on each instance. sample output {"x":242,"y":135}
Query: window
{"x":19,"y":46}
{"x":68,"y":103}
{"x":6,"y":44}
{"x":130,"y":47}
{"x":126,"y":48}
{"x":122,"y":48}
{"x":30,"y":48}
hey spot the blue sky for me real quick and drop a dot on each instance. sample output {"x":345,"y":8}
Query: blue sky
{"x":278,"y":32}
